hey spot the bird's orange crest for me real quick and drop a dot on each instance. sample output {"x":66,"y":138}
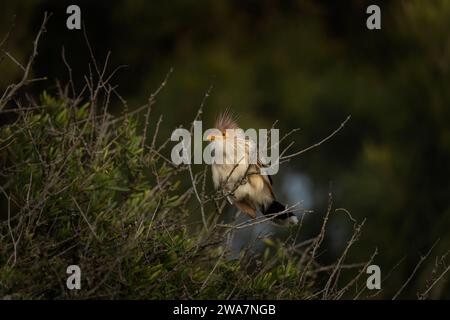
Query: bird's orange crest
{"x":226,"y":121}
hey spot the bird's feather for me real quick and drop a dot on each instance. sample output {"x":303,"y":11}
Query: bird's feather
{"x":226,"y":121}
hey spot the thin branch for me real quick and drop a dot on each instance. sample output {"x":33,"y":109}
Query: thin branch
{"x":11,"y":90}
{"x":318,"y":143}
{"x":422,"y":259}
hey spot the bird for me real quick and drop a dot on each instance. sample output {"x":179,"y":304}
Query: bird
{"x":241,"y":179}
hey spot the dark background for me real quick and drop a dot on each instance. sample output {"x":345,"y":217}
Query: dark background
{"x":308,"y":64}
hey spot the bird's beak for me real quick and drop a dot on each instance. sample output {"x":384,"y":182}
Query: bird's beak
{"x":211,"y":137}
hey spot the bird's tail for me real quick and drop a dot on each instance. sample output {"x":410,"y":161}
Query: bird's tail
{"x":284,"y":216}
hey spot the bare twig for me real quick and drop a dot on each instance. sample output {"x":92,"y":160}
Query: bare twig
{"x":11,"y":90}
{"x":422,"y":259}
{"x":318,"y":143}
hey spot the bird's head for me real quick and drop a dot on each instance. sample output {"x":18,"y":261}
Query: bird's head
{"x":228,"y":140}
{"x":227,"y":128}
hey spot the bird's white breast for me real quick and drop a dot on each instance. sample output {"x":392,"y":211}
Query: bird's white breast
{"x":233,"y":169}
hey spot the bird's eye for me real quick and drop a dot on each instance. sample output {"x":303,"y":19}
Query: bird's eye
{"x":223,"y":134}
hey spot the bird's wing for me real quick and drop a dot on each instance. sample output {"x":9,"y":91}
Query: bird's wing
{"x":255,"y":172}
{"x":252,"y":147}
{"x":246,"y":207}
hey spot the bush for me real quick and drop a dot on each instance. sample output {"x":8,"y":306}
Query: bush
{"x":83,"y":189}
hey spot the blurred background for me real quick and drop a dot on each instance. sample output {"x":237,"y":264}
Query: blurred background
{"x":308,"y":64}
